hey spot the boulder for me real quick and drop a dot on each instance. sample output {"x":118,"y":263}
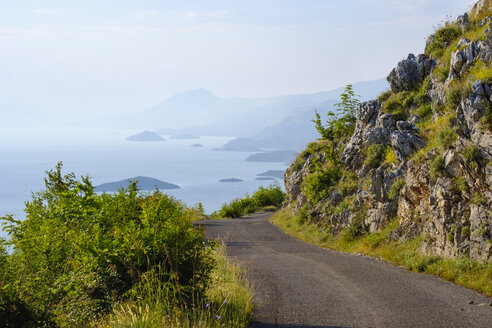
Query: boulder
{"x":410,"y":72}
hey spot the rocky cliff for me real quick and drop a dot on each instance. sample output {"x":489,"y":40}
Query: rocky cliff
{"x":421,"y":153}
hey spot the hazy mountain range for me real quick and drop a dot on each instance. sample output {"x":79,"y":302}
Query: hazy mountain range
{"x":199,"y":112}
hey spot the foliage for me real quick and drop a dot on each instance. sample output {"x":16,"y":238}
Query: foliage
{"x":390,"y":156}
{"x":227,"y":301}
{"x":343,"y":124}
{"x":447,"y":137}
{"x":461,"y":184}
{"x":78,"y":253}
{"x":385,"y":95}
{"x":376,"y":154}
{"x":395,"y":188}
{"x":348,"y":183}
{"x":354,"y":230}
{"x":443,"y":38}
{"x":477,"y":199}
{"x":271,"y":197}
{"x":317,"y":185}
{"x":437,"y":167}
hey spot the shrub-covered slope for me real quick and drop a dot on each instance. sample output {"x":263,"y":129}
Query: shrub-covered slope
{"x":421,"y":152}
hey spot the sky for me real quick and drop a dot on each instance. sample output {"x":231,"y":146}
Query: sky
{"x":106,"y":57}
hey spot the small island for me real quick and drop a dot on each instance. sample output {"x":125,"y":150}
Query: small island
{"x":144,"y":183}
{"x":230,"y":180}
{"x":146,"y":136}
{"x":197,"y":145}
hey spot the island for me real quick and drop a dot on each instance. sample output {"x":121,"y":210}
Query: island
{"x":146,"y":136}
{"x":282,"y":156}
{"x":230,"y":180}
{"x":197,"y":145}
{"x":279,"y":174}
{"x":144,"y":183}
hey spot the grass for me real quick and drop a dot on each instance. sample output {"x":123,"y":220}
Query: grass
{"x":227,"y":303}
{"x":463,"y":271}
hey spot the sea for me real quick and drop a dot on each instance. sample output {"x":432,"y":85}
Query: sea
{"x":104,"y":154}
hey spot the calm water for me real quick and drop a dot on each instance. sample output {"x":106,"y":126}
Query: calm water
{"x":105,"y":155}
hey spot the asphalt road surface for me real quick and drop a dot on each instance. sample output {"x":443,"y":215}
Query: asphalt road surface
{"x":300,"y":285}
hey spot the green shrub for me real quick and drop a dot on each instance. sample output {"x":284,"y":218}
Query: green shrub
{"x":348,"y":184}
{"x":375,"y":155}
{"x":477,"y":199}
{"x":397,"y":185}
{"x":471,"y":154}
{"x":461,"y":184}
{"x":437,"y":167}
{"x":385,"y":95}
{"x":355,"y":230}
{"x":447,"y":137}
{"x":441,"y":72}
{"x":78,"y":253}
{"x":443,"y":38}
{"x":451,"y":233}
{"x":317,"y":185}
{"x":454,"y":94}
{"x":465,"y":231}
{"x":424,"y":111}
{"x":268,"y":198}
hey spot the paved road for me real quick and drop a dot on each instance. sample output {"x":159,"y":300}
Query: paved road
{"x":299,"y":285}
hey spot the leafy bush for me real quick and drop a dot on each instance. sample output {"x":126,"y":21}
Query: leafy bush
{"x":263,"y":198}
{"x":78,"y":253}
{"x":348,"y":184}
{"x":317,"y":185}
{"x":385,"y":95}
{"x":446,"y":137}
{"x":437,"y":167}
{"x":343,"y":124}
{"x":355,"y":230}
{"x":471,"y":153}
{"x":395,"y":188}
{"x":375,"y":155}
{"x":461,"y":184}
{"x":390,"y":156}
{"x":443,"y":38}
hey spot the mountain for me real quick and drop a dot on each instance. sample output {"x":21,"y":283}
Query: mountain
{"x":295,"y":129}
{"x":144,"y":183}
{"x":199,"y":112}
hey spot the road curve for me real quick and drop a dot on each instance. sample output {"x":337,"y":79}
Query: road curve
{"x":303,"y":286}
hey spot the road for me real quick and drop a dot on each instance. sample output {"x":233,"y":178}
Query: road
{"x":303,"y":286}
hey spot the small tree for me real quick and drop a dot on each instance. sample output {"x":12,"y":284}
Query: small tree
{"x":343,"y":124}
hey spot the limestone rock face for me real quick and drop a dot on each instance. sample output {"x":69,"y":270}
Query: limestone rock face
{"x":410,"y":72}
{"x":448,"y":204}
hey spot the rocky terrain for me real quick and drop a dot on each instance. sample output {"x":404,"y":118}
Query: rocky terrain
{"x":421,"y":153}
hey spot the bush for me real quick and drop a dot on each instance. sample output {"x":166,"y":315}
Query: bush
{"x":461,"y":185}
{"x":471,"y":154}
{"x":355,"y":230}
{"x":443,"y":38}
{"x":271,"y":197}
{"x":446,"y":137}
{"x":437,"y":167}
{"x":348,"y":184}
{"x":397,"y":185}
{"x":78,"y":253}
{"x":375,"y":155}
{"x":317,"y":185}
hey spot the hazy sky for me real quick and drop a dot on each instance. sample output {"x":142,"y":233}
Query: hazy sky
{"x":115,"y":56}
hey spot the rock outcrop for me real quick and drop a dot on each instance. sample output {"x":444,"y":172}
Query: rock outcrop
{"x":439,"y":182}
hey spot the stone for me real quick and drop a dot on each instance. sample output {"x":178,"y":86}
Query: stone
{"x":410,"y":72}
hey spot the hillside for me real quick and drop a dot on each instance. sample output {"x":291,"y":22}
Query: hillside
{"x":415,"y":164}
{"x":199,"y":112}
